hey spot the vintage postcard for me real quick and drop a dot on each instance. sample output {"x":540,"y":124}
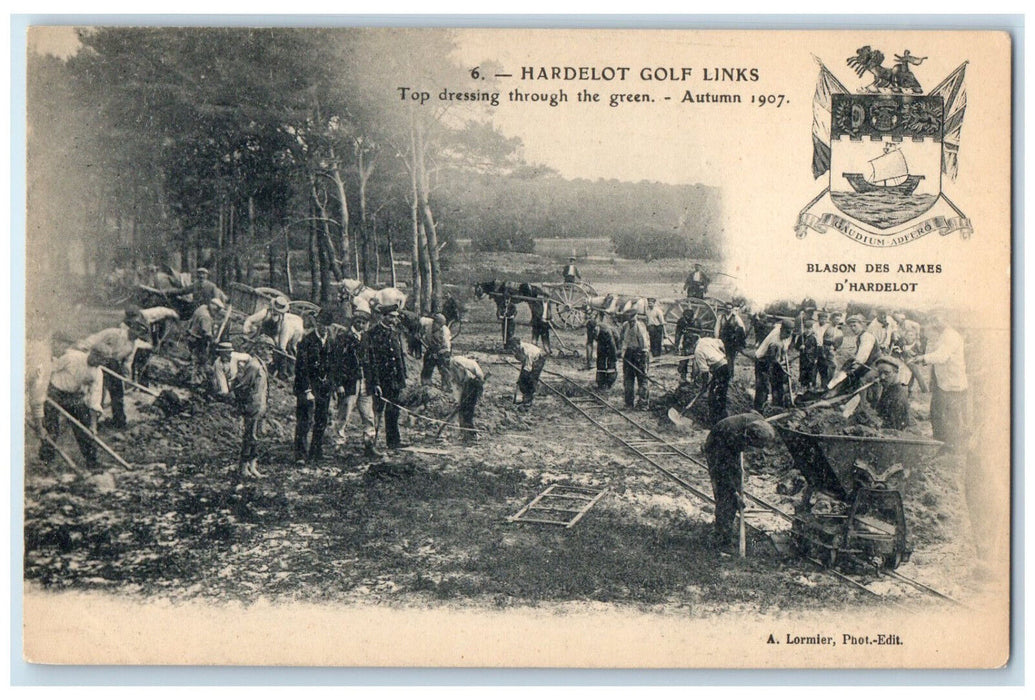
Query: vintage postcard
{"x":518,"y":348}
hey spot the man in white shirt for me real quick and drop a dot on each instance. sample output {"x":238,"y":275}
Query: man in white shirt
{"x":948,"y":383}
{"x":861,"y":367}
{"x":883,"y":327}
{"x":287,"y":329}
{"x":711,"y":366}
{"x":532,"y":362}
{"x":636,"y":360}
{"x":655,"y":326}
{"x":77,"y":385}
{"x":770,"y":365}
{"x":438,"y":346}
{"x":469,"y":381}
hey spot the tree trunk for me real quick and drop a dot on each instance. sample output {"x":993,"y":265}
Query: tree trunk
{"x":425,"y":264}
{"x":430,"y":231}
{"x":287,"y":263}
{"x":343,"y":205}
{"x":415,"y":256}
{"x":326,"y":246}
{"x":377,"y":251}
{"x":312,"y":254}
{"x":249,"y":261}
{"x":391,"y":260}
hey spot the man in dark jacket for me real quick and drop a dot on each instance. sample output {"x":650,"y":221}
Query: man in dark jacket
{"x":686,"y":339}
{"x":354,"y":374}
{"x":313,"y":388}
{"x":733,"y":333}
{"x":893,"y":404}
{"x":722,"y":449}
{"x":388,"y":370}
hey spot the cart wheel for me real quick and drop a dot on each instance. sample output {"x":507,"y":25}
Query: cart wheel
{"x":891,"y":561}
{"x":569,"y":303}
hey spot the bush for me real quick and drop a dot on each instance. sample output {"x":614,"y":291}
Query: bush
{"x":651,"y":245}
{"x":503,"y":242}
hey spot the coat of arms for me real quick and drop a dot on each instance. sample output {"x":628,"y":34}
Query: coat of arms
{"x":886,"y":148}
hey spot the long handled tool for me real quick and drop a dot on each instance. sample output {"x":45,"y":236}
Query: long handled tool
{"x":64,"y":455}
{"x":141,"y":387}
{"x":677,"y":416}
{"x":100,"y":443}
{"x":742,"y":527}
{"x":222,"y":327}
{"x":821,"y":404}
{"x":167,"y":401}
{"x":442,"y":427}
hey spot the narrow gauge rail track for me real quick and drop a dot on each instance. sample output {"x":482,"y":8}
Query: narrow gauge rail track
{"x":656,"y":450}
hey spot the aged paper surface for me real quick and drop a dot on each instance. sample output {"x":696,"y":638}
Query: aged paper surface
{"x":864,"y":171}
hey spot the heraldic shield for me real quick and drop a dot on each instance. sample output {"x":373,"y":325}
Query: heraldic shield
{"x":885,"y":156}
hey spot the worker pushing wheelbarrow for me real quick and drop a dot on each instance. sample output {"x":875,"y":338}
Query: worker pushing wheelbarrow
{"x":852,"y":507}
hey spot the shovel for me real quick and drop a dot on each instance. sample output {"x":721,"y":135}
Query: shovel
{"x":166,"y":401}
{"x":677,"y":416}
{"x":825,"y":403}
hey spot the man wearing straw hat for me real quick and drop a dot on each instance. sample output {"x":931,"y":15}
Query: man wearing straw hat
{"x":277,"y":322}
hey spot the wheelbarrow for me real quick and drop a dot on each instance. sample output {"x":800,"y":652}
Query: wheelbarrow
{"x":852,"y":509}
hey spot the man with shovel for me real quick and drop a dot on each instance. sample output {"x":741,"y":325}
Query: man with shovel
{"x":249,"y":391}
{"x":533,"y":360}
{"x":76,"y":385}
{"x":722,"y":450}
{"x":712,"y":368}
{"x":116,"y":346}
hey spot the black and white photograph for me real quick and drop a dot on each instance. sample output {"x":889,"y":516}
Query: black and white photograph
{"x":582,"y":348}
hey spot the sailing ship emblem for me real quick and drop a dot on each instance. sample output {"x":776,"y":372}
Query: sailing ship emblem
{"x":889,"y":172}
{"x":885,"y":156}
{"x":885,"y":149}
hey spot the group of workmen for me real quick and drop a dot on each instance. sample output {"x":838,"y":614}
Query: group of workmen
{"x":359,"y":357}
{"x":355,"y":355}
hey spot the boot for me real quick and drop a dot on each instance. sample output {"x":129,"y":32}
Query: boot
{"x":370,"y":451}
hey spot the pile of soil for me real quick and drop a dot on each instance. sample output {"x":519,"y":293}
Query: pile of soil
{"x":494,"y":414}
{"x":830,"y":421}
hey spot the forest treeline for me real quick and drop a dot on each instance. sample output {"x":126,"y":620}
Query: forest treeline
{"x":232,"y":148}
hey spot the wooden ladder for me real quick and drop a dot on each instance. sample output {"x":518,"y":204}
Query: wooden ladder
{"x":559,"y":504}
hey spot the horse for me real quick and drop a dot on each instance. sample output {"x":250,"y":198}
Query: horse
{"x":615,"y":304}
{"x":364,"y":298}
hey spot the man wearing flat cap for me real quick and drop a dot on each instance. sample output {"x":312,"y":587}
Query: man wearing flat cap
{"x":655,"y":326}
{"x":893,"y":403}
{"x":771,"y":365}
{"x":388,"y":369}
{"x":204,"y":290}
{"x":635,"y":360}
{"x":722,"y":450}
{"x":867,"y":352}
{"x":353,"y":368}
{"x":313,"y":388}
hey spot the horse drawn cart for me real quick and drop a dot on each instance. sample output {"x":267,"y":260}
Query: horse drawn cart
{"x":852,"y":508}
{"x":568,"y":302}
